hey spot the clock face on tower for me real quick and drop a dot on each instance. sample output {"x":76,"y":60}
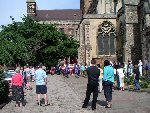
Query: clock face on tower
{"x":31,"y":8}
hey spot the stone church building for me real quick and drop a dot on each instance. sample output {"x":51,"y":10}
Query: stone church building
{"x":106,"y":29}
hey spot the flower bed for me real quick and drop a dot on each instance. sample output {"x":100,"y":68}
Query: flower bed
{"x":144,"y":82}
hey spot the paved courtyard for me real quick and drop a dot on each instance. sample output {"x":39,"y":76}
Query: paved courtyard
{"x":66,"y":95}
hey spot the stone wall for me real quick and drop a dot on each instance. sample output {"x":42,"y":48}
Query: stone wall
{"x":131,"y":44}
{"x":85,"y":5}
{"x":146,"y":45}
{"x":81,"y":50}
{"x":88,"y":38}
{"x":131,"y":2}
{"x":136,"y":16}
{"x":120,"y":35}
{"x":31,"y":8}
{"x":93,"y":7}
{"x":144,"y":20}
{"x":85,"y":47}
{"x":69,"y":27}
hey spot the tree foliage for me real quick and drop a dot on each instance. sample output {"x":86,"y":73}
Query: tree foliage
{"x":32,"y":42}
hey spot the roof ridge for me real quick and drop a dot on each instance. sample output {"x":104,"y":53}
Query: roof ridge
{"x":72,"y":14}
{"x":58,"y":10}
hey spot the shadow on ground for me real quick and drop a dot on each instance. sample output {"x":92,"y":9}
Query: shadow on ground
{"x":2,"y":104}
{"x":101,"y":102}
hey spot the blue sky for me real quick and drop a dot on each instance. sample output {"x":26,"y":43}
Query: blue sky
{"x":17,"y":8}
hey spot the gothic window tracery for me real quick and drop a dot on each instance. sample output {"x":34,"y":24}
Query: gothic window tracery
{"x":106,"y":39}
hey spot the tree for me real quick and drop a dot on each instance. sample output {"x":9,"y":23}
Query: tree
{"x":32,"y":42}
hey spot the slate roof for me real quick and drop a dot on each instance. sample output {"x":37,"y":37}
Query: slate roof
{"x":67,"y":14}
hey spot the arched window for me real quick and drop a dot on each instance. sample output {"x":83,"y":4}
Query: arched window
{"x":106,"y":39}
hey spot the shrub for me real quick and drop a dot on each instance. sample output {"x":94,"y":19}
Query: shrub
{"x":129,"y":80}
{"x":4,"y":88}
{"x":144,"y":82}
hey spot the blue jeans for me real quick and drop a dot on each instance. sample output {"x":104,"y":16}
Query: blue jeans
{"x":137,"y":85}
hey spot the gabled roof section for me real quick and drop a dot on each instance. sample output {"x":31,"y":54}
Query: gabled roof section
{"x":66,"y":14}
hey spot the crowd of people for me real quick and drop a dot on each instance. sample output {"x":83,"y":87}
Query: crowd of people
{"x":21,"y":81}
{"x":103,"y":77}
{"x":69,"y":69}
{"x":121,"y":70}
{"x":100,"y":77}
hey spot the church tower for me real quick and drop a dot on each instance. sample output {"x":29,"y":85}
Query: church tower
{"x":85,"y":5}
{"x":31,"y":8}
{"x":108,"y":6}
{"x":98,"y":36}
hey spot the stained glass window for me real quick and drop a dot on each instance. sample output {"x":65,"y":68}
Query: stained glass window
{"x":106,"y":39}
{"x":106,"y":44}
{"x":100,"y":44}
{"x":112,"y":43}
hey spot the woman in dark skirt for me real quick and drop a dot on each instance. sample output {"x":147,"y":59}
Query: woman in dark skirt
{"x":17,"y":88}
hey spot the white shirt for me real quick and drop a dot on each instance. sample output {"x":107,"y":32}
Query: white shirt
{"x":120,"y":72}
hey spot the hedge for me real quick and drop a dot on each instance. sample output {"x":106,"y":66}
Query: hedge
{"x":4,"y":89}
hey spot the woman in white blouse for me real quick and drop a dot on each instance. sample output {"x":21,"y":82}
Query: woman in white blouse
{"x":121,"y":75}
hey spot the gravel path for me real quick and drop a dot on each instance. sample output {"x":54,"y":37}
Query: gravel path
{"x":61,"y":97}
{"x":67,"y":94}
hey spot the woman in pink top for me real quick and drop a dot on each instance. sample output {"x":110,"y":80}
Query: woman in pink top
{"x":17,"y":88}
